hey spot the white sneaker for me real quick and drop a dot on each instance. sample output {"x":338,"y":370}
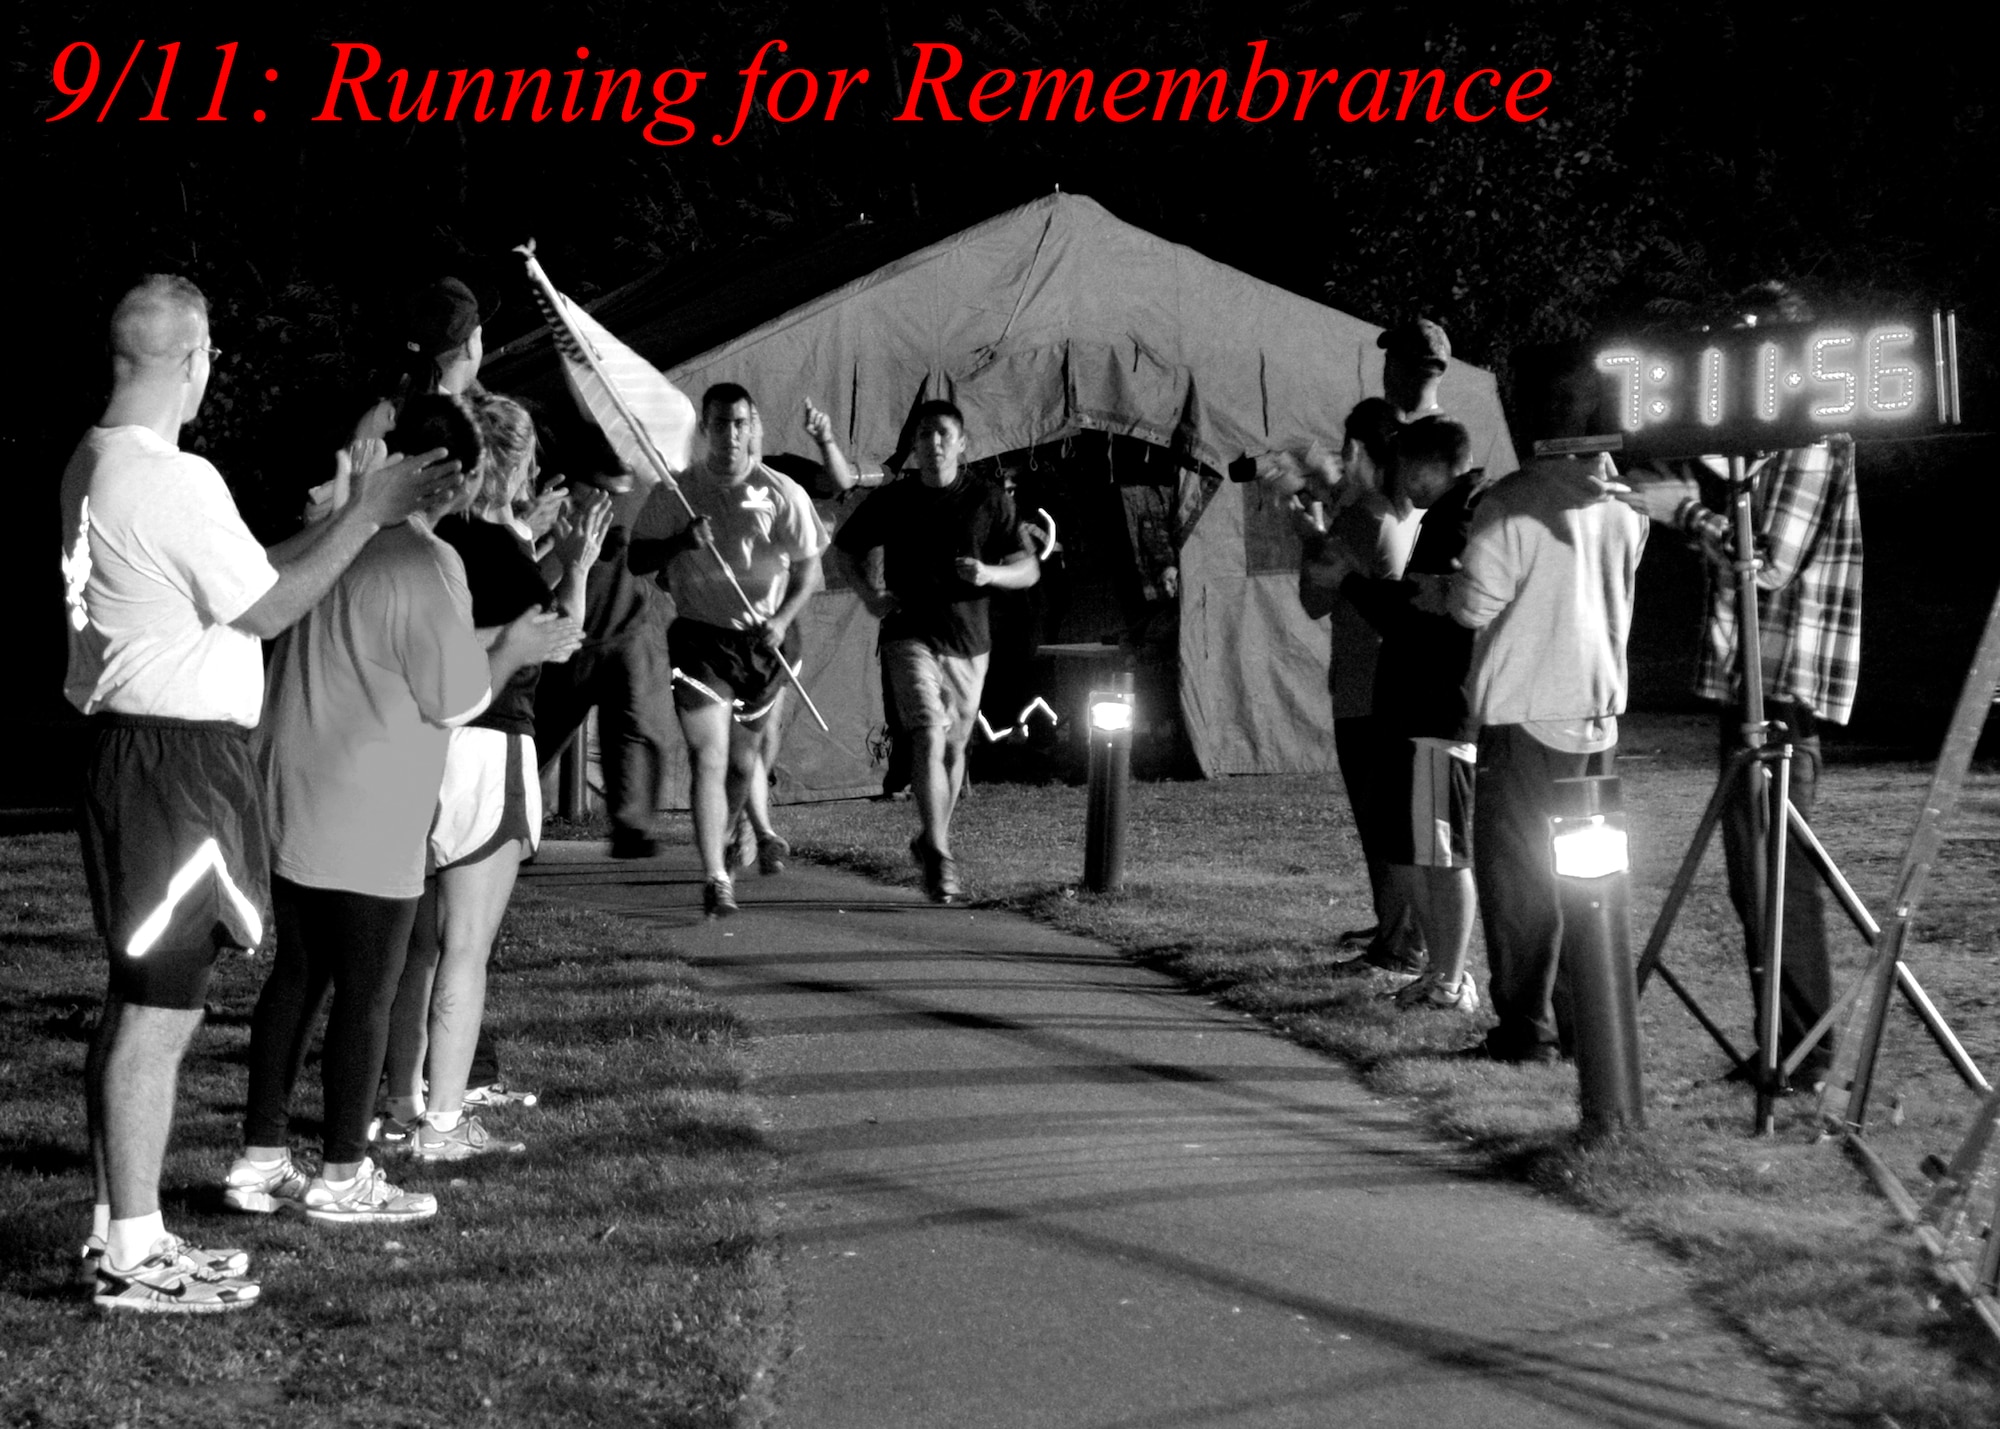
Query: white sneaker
{"x":366,"y":1200}
{"x":498,"y":1094}
{"x":1432,"y":992}
{"x":176,"y":1279}
{"x":389,"y":1136}
{"x":463,"y":1142}
{"x":226,"y":1262}
{"x":253,"y":1188}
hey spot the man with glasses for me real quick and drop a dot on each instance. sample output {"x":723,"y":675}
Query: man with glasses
{"x":168,"y":596}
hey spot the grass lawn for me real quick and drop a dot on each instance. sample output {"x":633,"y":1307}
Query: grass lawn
{"x":617,"y":1273}
{"x":1237,"y":887}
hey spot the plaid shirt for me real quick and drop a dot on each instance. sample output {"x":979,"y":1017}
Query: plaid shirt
{"x":1808,"y":537}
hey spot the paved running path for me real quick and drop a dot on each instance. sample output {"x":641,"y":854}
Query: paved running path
{"x":1028,"y":1183}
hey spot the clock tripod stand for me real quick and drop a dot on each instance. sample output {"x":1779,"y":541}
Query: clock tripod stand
{"x":1760,"y":773}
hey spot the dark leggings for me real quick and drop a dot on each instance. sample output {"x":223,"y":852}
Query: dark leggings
{"x":355,"y":943}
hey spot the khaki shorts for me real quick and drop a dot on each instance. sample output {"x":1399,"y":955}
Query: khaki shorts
{"x":934,"y":691}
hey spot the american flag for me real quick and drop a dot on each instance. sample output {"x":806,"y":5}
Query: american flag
{"x":649,"y":422}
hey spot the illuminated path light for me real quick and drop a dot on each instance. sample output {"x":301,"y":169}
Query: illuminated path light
{"x":1590,"y":856}
{"x":1111,"y":720}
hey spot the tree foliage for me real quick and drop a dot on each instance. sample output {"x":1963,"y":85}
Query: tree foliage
{"x":1684,"y":152}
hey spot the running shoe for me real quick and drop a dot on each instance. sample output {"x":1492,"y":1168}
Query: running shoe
{"x":631,"y":843}
{"x":228,"y":1262}
{"x":940,"y":872}
{"x":743,"y":844}
{"x":390,"y":1136}
{"x":718,"y":898}
{"x":772,"y":851}
{"x":463,"y":1142}
{"x":498,"y":1094}
{"x":366,"y":1200}
{"x":1495,"y":1048}
{"x":1431,"y":991}
{"x":253,"y":1188}
{"x":176,"y":1279}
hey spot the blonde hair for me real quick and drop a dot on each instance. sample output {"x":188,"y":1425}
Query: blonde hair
{"x":508,"y":434}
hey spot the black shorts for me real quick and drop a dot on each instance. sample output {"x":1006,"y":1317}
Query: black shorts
{"x":174,"y":851}
{"x":1427,"y":791}
{"x":713,"y":663}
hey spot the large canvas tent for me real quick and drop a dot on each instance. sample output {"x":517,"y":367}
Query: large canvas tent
{"x":1048,"y":321}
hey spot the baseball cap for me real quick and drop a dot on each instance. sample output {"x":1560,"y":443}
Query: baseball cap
{"x":1419,"y":340}
{"x":440,"y":318}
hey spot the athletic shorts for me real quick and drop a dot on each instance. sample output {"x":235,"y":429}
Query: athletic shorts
{"x":491,"y":797}
{"x":174,"y":851}
{"x":933,"y":690}
{"x":1427,"y":787}
{"x":714,"y":662}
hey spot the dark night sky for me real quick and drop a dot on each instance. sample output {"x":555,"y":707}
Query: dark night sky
{"x":1686,"y":150}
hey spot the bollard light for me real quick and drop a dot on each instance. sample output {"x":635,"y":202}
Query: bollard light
{"x":1111,"y":718}
{"x":1110,"y":714}
{"x":1590,"y":858}
{"x":1589,"y":845}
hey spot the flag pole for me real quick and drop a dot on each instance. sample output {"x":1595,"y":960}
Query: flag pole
{"x":551,"y":303}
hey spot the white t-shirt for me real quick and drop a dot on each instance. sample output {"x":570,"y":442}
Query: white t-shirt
{"x":764,"y":524}
{"x":362,"y":690}
{"x":156,"y":563}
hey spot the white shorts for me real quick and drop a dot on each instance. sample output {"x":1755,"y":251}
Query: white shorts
{"x":490,"y":797}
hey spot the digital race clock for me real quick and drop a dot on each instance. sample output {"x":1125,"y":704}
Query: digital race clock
{"x":1765,"y":388}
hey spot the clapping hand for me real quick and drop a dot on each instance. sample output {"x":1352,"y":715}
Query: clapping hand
{"x":389,"y":495}
{"x":541,"y":513}
{"x":540,"y":637}
{"x":580,"y":528}
{"x":1309,"y":519}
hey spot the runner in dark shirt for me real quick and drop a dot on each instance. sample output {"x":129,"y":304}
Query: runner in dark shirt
{"x":946,"y":538}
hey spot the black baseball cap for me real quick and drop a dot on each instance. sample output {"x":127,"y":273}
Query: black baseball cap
{"x":440,"y":318}
{"x":1419,"y":340}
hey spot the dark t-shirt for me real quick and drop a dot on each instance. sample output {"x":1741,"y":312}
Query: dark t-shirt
{"x":620,"y":605}
{"x":922,"y":532}
{"x":1420,"y":676}
{"x":500,"y":572}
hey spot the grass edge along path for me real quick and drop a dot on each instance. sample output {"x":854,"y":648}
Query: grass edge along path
{"x":1227,"y":891}
{"x":620,"y":1271}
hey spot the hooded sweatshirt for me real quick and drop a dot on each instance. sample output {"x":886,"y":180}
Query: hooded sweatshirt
{"x":1546,"y":582}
